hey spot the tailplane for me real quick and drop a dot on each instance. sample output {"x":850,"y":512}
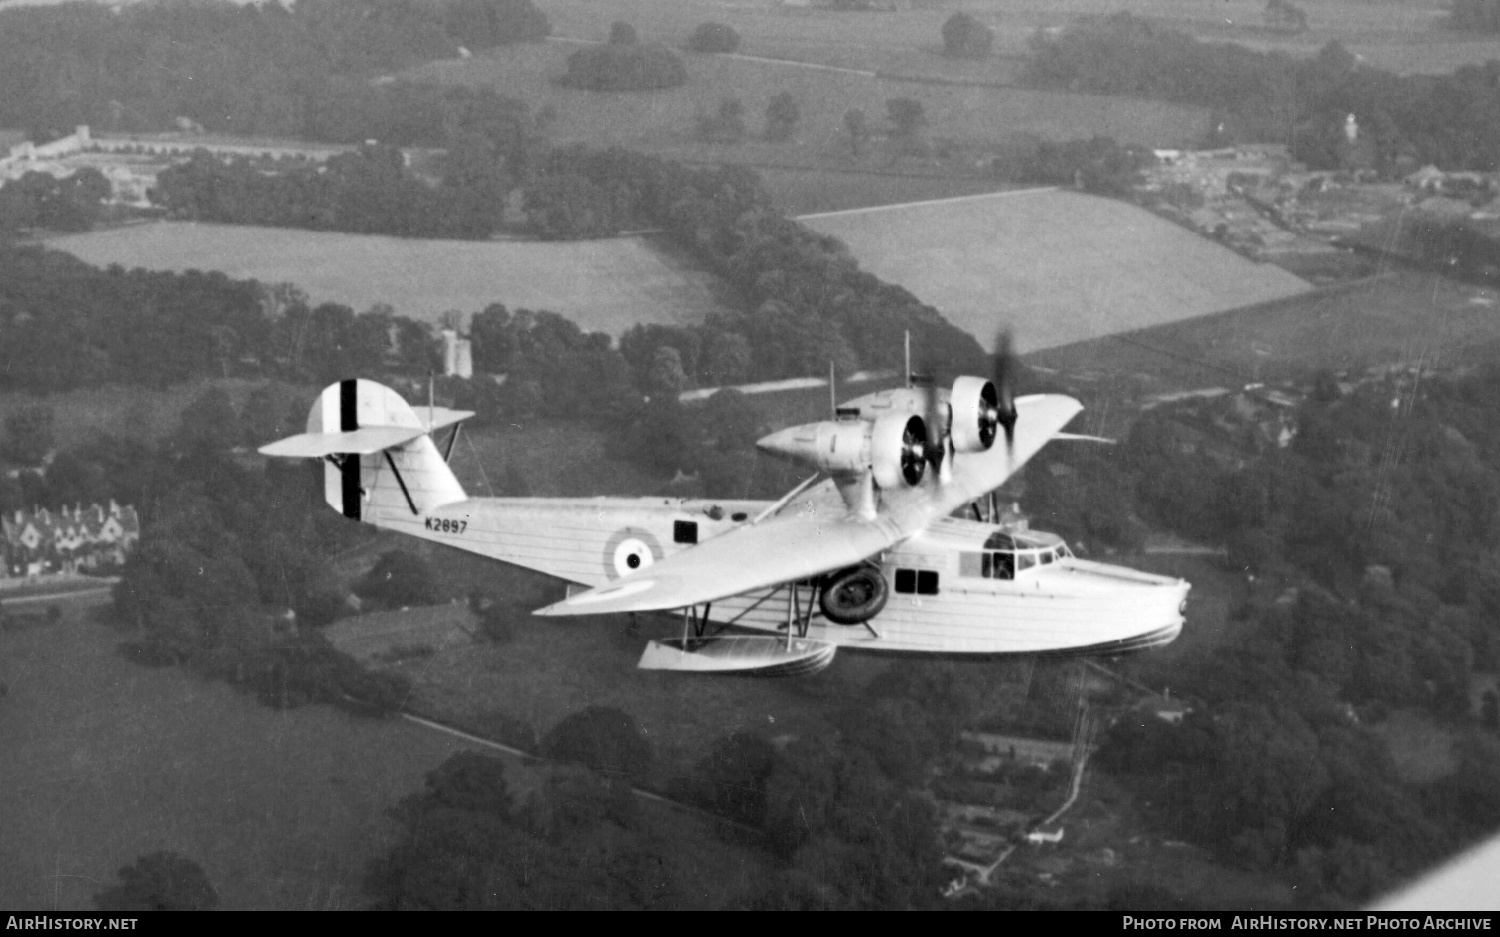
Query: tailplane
{"x":379,"y":453}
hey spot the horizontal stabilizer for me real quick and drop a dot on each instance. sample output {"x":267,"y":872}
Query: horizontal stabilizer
{"x":365,"y":441}
{"x":435,"y":418}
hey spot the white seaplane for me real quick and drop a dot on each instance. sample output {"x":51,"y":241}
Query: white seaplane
{"x":885,"y":554}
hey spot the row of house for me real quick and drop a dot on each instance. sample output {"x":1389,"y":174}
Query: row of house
{"x":66,"y":540}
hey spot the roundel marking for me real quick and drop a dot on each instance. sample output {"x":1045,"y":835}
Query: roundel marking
{"x":629,"y":550}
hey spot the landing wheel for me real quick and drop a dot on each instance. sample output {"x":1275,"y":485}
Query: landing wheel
{"x":853,"y":596}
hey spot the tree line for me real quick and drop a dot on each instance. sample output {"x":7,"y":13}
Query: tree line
{"x":1373,"y":544}
{"x":1448,"y":120}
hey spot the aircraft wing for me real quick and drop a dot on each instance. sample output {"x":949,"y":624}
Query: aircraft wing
{"x":1039,"y":419}
{"x":816,"y":533}
{"x":785,"y":548}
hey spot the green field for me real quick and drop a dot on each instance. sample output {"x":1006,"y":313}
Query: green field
{"x":604,"y":285}
{"x":1058,"y":267}
{"x":1402,"y":317}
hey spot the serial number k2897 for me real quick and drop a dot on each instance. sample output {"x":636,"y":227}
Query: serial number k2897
{"x":444,"y":525}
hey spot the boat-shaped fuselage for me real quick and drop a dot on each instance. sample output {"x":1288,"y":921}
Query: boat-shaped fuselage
{"x":959,"y":587}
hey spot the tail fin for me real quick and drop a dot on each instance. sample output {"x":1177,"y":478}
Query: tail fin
{"x":381,"y":458}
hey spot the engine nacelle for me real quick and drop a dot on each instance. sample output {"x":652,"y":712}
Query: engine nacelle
{"x":898,"y":450}
{"x":891,"y":448}
{"x":853,"y":596}
{"x":975,"y":407}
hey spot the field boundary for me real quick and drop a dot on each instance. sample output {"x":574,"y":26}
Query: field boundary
{"x":933,"y":201}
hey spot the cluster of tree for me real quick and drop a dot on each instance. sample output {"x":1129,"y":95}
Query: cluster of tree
{"x":366,"y":191}
{"x":65,"y":324}
{"x":713,"y":442}
{"x":264,"y":69}
{"x":224,"y":552}
{"x":1099,"y":165}
{"x":1386,"y":518}
{"x":966,"y":37}
{"x":398,"y":579}
{"x":624,"y":63}
{"x":849,"y":834}
{"x":159,"y":881}
{"x":1449,"y":120}
{"x":714,"y":37}
{"x":41,"y":200}
{"x":577,"y":843}
{"x":725,"y":126}
{"x":1452,"y":245}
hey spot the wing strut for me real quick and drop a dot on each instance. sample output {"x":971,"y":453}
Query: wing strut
{"x":401,"y":481}
{"x":785,"y":500}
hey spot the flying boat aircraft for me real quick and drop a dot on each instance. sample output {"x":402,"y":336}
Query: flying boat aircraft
{"x":885,"y":549}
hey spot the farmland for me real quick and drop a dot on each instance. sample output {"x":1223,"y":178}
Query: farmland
{"x":1399,"y":318}
{"x":1059,"y":267}
{"x":663,"y":122}
{"x":605,"y":285}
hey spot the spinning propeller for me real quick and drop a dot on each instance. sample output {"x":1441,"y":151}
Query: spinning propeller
{"x":1005,"y":367}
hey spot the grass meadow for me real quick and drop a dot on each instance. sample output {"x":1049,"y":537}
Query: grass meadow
{"x":1058,"y":267}
{"x":664,"y":122}
{"x":603,"y":285}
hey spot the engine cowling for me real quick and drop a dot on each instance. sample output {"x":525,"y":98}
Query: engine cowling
{"x":898,"y":450}
{"x":891,"y":448}
{"x":975,"y":405}
{"x":853,"y":596}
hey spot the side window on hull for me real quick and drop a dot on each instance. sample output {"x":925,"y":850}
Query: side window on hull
{"x":919,"y":581}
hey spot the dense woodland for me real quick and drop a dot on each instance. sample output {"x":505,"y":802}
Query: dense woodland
{"x":1452,"y":121}
{"x":1373,"y":544}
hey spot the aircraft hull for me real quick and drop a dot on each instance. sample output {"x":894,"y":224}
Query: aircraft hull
{"x":1071,"y":607}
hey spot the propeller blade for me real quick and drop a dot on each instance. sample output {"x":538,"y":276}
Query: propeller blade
{"x":937,"y":415}
{"x":1006,"y":366}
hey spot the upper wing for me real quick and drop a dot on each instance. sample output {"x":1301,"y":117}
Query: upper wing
{"x":789,"y":547}
{"x":816,"y":533}
{"x":1039,"y":419}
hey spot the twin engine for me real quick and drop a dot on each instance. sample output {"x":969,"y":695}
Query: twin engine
{"x":897,"y":433}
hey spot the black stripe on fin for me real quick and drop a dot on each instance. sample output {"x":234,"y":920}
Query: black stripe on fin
{"x":348,"y":406}
{"x":349,"y":470}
